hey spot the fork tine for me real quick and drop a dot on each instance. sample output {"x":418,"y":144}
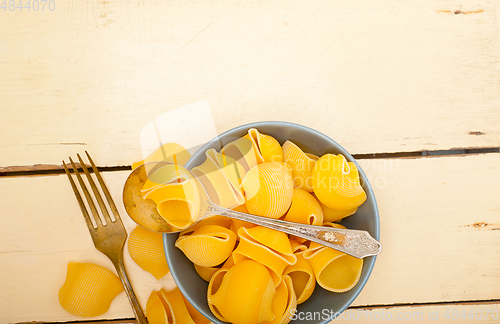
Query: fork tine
{"x":87,"y":194}
{"x":97,"y":194}
{"x":79,"y":198}
{"x":104,"y":188}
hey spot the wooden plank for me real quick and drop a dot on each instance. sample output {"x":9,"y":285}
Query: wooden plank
{"x":375,"y":76}
{"x":42,"y":229}
{"x":455,"y":313}
{"x":486,"y":312}
{"x":439,"y":220}
{"x":435,"y":247}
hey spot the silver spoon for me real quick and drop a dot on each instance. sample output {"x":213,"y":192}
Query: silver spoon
{"x":357,"y":243}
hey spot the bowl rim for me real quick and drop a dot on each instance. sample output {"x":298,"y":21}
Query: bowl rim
{"x":361,"y":284}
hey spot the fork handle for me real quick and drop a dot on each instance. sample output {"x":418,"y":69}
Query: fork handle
{"x":136,"y":307}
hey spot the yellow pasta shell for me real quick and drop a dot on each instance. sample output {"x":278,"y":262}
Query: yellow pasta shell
{"x":333,"y":215}
{"x":241,"y":150}
{"x":267,"y":148}
{"x":243,"y":294}
{"x":205,"y":273}
{"x":213,"y":287}
{"x":284,"y":302}
{"x":172,"y":307}
{"x":176,"y":308}
{"x":302,"y":165}
{"x":146,"y":249}
{"x":89,"y":289}
{"x":302,"y":276}
{"x":197,"y":317}
{"x":207,"y":246}
{"x":176,"y":195}
{"x":266,"y":246}
{"x":268,"y":189}
{"x":304,"y":209}
{"x":298,"y":244}
{"x":336,"y":182}
{"x":221,"y":177}
{"x":335,"y":271}
{"x":156,"y":309}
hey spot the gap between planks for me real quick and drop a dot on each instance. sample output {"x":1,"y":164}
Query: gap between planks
{"x":53,"y":169}
{"x":365,"y":308}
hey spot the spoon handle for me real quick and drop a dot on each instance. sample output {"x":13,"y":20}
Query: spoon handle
{"x":357,"y":243}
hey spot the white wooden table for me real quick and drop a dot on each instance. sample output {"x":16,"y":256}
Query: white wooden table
{"x":387,"y":80}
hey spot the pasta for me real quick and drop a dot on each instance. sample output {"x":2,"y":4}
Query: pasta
{"x":336,"y":182}
{"x":170,"y":307}
{"x":333,"y":215}
{"x":302,"y":275}
{"x":175,"y":193}
{"x":208,"y":245}
{"x":302,"y":165}
{"x":268,"y":189}
{"x":304,"y":209}
{"x":335,"y":271}
{"x":89,"y":289}
{"x":267,"y":148}
{"x":242,"y":294}
{"x":267,"y":246}
{"x":146,"y":249}
{"x":257,"y":274}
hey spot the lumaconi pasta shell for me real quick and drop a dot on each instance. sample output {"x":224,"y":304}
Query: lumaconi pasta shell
{"x":169,"y":152}
{"x":302,"y":276}
{"x":176,"y":307}
{"x":268,"y":189}
{"x":156,"y":309}
{"x":221,"y":176}
{"x":176,"y":195}
{"x":232,"y":169}
{"x":267,"y":148}
{"x":197,"y":317}
{"x":273,"y":239}
{"x":305,"y":209}
{"x":207,"y":246}
{"x":213,"y":287}
{"x":89,"y":289}
{"x":241,"y":150}
{"x":332,"y":215}
{"x":336,"y":182}
{"x":205,"y":273}
{"x":266,"y":246}
{"x":302,"y":165}
{"x":298,"y":246}
{"x":169,"y":307}
{"x":243,"y":294}
{"x":335,"y":271}
{"x":284,"y":302}
{"x":146,"y":249}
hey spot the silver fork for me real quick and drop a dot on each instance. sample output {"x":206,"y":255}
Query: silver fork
{"x":109,"y":238}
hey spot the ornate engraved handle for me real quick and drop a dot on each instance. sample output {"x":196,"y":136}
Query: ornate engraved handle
{"x":359,"y":244}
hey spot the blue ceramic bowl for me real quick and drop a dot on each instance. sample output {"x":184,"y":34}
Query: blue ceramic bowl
{"x":322,"y":303}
